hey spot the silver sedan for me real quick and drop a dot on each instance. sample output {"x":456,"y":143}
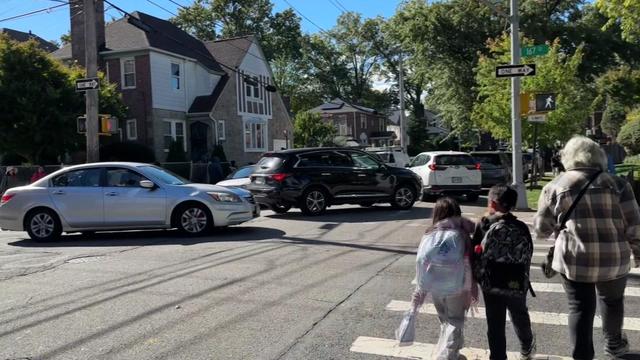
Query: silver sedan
{"x":121,"y":196}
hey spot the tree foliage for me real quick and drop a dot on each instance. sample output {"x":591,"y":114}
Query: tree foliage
{"x":613,"y":118}
{"x":629,"y":135}
{"x":39,"y":104}
{"x":555,"y":72}
{"x":311,"y":130}
{"x":623,"y":12}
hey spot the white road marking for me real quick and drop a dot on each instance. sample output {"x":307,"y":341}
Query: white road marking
{"x":634,"y":271}
{"x":557,"y":288}
{"x":390,"y":347}
{"x":537,"y":317}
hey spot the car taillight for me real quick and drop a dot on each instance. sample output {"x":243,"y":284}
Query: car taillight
{"x":477,"y":166}
{"x":279,"y":177}
{"x":433,"y":167}
{"x":6,"y":197}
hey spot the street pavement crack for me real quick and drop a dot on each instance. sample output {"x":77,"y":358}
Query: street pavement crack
{"x":326,"y":314}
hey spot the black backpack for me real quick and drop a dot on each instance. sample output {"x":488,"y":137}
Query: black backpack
{"x":503,"y":266}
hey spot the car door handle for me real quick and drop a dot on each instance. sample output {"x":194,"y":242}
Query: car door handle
{"x":58,"y":192}
{"x":362,"y":175}
{"x":326,"y":174}
{"x":112,"y":193}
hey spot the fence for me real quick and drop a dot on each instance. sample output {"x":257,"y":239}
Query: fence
{"x":195,"y":172}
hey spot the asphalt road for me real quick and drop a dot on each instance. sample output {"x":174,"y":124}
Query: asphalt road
{"x":279,"y":287}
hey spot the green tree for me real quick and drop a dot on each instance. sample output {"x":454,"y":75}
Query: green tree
{"x":311,"y":130}
{"x":629,"y":135}
{"x":555,"y":72}
{"x":613,"y":118}
{"x":197,"y":19}
{"x":624,"y":12}
{"x":39,"y":104}
{"x":620,"y":84}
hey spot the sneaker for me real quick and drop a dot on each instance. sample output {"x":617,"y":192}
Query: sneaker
{"x":529,"y":354}
{"x":621,"y":349}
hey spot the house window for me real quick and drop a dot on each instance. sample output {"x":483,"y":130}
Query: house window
{"x":363,"y":121}
{"x":132,"y":129}
{"x":221,"y":130}
{"x":175,"y":76}
{"x":128,"y":66}
{"x":173,"y":130}
{"x":255,"y":135}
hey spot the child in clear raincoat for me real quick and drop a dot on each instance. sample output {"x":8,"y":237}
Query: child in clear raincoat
{"x":443,"y":269}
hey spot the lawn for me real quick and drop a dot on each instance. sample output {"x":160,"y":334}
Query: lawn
{"x":533,"y":194}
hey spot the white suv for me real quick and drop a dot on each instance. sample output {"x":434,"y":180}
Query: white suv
{"x":447,"y":172}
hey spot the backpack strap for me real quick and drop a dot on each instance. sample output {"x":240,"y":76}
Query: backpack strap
{"x":565,"y":217}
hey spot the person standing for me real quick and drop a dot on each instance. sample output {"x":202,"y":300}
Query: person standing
{"x":215,"y":170}
{"x":502,"y":256}
{"x":443,"y":269}
{"x":593,"y":245}
{"x":39,"y":174}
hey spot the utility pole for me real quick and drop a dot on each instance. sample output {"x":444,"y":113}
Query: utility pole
{"x":403,"y":142}
{"x":516,"y":126}
{"x":91,"y":96}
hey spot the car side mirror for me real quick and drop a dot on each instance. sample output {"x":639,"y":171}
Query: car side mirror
{"x":146,"y":184}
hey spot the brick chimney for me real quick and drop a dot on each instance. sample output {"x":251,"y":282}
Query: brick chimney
{"x":77,"y":29}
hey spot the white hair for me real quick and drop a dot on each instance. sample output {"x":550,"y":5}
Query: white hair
{"x":583,"y":152}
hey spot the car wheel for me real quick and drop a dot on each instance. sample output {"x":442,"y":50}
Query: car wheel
{"x":43,"y":225}
{"x":472,"y":197}
{"x":314,"y":202}
{"x":403,"y":197}
{"x":281,"y":208}
{"x":194,"y":219}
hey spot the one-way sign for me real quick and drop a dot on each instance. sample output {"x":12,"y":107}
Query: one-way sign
{"x":87,"y":84}
{"x":515,"y":70}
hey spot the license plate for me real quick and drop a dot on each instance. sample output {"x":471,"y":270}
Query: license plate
{"x":456,"y":180}
{"x":259,"y":180}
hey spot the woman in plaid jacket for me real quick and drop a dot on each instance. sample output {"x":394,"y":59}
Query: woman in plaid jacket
{"x":594,"y":251}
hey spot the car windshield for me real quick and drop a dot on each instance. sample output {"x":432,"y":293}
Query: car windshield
{"x":454,"y":160}
{"x":386,"y":157}
{"x":165,"y":176}
{"x":242,"y":173}
{"x":269,"y":163}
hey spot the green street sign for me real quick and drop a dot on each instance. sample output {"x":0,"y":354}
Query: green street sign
{"x":537,"y":50}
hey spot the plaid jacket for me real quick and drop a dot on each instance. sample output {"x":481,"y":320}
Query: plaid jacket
{"x":602,"y":232}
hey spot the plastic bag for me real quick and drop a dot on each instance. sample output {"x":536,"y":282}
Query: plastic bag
{"x":447,"y":340}
{"x":406,"y":332}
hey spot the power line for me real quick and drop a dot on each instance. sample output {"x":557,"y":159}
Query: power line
{"x":33,"y":12}
{"x":306,"y":18}
{"x":161,"y":7}
{"x":180,"y":5}
{"x":336,"y":6}
{"x":342,"y":6}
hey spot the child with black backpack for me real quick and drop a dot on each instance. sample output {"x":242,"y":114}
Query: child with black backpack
{"x":502,"y":256}
{"x":443,"y":269}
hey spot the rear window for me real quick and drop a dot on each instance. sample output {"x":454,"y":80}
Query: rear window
{"x":488,"y":159}
{"x":454,"y":160}
{"x":324,"y":159}
{"x":269,"y":163}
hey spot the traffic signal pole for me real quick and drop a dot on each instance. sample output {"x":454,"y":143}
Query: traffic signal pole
{"x":91,"y":96}
{"x":516,"y":126}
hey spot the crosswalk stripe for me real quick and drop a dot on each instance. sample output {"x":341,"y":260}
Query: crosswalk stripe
{"x":557,"y":288}
{"x":634,"y":271}
{"x":390,"y":347}
{"x":538,"y":317}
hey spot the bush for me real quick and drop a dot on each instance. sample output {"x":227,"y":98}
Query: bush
{"x":633,"y":160}
{"x":629,"y":136}
{"x":127,"y":151}
{"x":176,"y":153}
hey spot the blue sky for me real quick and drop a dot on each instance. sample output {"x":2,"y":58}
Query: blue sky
{"x":55,"y":23}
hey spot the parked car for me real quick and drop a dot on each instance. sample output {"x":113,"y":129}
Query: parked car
{"x":314,"y":179}
{"x":239,"y":178}
{"x":391,"y":156}
{"x":121,"y":196}
{"x":494,"y":167}
{"x":447,"y":173}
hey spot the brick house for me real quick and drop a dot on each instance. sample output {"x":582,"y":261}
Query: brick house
{"x":175,"y":87}
{"x":364,"y":125}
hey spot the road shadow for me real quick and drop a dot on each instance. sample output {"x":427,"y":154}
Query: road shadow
{"x":404,"y":250}
{"x":154,"y":238}
{"x":360,"y":214}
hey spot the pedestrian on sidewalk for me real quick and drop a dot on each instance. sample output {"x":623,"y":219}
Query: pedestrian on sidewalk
{"x":556,"y":163}
{"x":443,"y":269}
{"x":593,"y":245}
{"x":502,"y":256}
{"x":39,"y":174}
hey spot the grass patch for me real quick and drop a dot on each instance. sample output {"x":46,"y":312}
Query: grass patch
{"x":533,"y":193}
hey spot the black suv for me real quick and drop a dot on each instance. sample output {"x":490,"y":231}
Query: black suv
{"x":313,"y":179}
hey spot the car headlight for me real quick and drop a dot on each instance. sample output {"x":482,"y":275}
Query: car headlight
{"x":224,"y":197}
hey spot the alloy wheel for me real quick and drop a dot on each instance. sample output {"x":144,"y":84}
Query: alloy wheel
{"x":404,"y":197}
{"x":316,"y":201}
{"x":193,"y":220}
{"x":42,"y":225}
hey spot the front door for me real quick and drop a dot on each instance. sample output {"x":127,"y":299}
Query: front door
{"x":77,"y":196}
{"x":370,"y":177}
{"x":199,"y":141}
{"x":128,"y":204}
